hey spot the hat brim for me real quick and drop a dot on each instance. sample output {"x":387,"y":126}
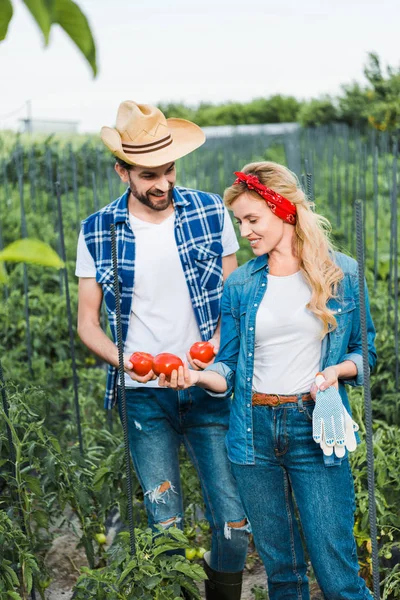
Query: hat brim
{"x":186,"y":137}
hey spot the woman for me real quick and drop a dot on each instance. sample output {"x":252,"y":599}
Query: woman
{"x":290,"y":312}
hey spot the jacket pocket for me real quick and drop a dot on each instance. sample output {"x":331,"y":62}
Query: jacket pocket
{"x":343,"y":311}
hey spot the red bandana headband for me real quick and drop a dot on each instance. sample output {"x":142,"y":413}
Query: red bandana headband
{"x":280,"y":206}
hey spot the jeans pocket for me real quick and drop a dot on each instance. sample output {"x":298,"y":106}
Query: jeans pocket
{"x":307,"y":411}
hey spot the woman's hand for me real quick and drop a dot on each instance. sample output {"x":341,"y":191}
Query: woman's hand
{"x":181,"y":379}
{"x":198,"y":365}
{"x":331,"y":379}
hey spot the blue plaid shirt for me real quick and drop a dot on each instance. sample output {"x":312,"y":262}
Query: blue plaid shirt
{"x":199,"y":221}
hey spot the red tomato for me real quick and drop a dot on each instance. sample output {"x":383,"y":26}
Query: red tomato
{"x":166,"y":363}
{"x":142,"y":362}
{"x":203,"y":351}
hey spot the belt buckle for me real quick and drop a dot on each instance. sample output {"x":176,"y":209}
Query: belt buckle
{"x":278,"y":400}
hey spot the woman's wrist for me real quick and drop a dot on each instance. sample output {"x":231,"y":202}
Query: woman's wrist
{"x":196,"y":377}
{"x":346,"y":369}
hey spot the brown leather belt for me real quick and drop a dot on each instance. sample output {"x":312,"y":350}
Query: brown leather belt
{"x":259,"y":399}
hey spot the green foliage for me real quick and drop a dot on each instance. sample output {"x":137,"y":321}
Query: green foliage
{"x":32,"y":252}
{"x":260,"y":593}
{"x":6,"y":13}
{"x":276,"y":109}
{"x":18,"y":565}
{"x":52,"y":479}
{"x":318,"y":112}
{"x":65,"y":13}
{"x":149,"y":574}
{"x":353,"y":104}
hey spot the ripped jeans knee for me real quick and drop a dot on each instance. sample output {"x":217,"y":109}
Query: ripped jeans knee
{"x":163,"y":506}
{"x":242,"y":525}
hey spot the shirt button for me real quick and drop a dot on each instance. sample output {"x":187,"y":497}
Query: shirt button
{"x":263,"y":285}
{"x":256,"y":304}
{"x":339,"y":310}
{"x":248,"y":429}
{"x":250,"y":354}
{"x":248,"y":379}
{"x":251,"y":328}
{"x":248,"y":406}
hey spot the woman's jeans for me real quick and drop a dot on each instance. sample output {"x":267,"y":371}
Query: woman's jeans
{"x":289,"y":464}
{"x":159,"y":420}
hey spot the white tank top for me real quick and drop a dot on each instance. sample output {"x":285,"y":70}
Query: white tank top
{"x":288,"y":338}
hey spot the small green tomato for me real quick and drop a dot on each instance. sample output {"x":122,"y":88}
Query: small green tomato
{"x":100,"y":538}
{"x":200,"y":552}
{"x":190,"y":553}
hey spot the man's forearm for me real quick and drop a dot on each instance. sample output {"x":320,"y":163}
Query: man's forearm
{"x":98,"y":342}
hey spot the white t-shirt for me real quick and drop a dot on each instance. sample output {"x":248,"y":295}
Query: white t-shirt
{"x":288,"y":338}
{"x":162,"y":317}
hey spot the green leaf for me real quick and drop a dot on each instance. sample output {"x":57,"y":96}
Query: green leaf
{"x":3,"y":274}
{"x":41,"y":11}
{"x":34,"y":484}
{"x":131,"y":565}
{"x":12,"y":574}
{"x":32,"y":251}
{"x":28,"y":578}
{"x":99,"y":477}
{"x":6,"y":12}
{"x":14,"y":595}
{"x":70,"y":17}
{"x":191,"y":570}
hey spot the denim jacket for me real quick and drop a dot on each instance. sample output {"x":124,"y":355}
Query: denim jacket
{"x":243,"y":292}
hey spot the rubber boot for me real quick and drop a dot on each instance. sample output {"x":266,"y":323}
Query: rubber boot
{"x":220,"y":585}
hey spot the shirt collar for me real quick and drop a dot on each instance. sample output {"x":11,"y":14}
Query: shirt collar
{"x":260,"y":263}
{"x":178,"y":198}
{"x":121,"y":214}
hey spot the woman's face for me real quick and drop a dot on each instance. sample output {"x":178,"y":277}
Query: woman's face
{"x":257,"y":223}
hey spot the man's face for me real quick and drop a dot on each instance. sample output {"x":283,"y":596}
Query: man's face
{"x":152,"y":186}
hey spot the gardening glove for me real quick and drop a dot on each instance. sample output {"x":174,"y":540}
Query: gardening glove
{"x":333,"y":427}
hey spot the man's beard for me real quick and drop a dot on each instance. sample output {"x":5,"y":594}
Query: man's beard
{"x":147,"y":200}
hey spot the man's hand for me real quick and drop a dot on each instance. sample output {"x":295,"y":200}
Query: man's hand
{"x":141,"y":379}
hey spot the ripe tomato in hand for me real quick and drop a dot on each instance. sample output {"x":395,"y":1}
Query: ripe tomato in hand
{"x":203,"y":351}
{"x":142,"y":362}
{"x":166,"y":363}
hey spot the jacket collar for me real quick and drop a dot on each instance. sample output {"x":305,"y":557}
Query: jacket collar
{"x":259,"y":263}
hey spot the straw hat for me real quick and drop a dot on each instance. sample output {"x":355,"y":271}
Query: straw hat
{"x":144,"y":137}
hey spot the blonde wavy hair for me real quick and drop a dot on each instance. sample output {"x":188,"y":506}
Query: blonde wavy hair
{"x":312,"y":244}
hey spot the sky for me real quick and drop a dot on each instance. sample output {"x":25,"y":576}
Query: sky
{"x":190,"y":51}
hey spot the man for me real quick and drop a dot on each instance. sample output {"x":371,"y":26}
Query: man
{"x":175,"y":246}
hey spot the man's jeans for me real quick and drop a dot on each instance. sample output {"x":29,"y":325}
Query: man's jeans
{"x":159,"y":420}
{"x":289,"y":463}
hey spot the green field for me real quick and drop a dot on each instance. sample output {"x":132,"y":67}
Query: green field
{"x":44,"y":477}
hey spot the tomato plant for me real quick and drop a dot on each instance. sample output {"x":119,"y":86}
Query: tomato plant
{"x":203,"y":351}
{"x":166,"y":363}
{"x":141,"y":362}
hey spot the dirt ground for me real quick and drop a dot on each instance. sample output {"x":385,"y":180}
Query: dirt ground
{"x":64,"y":560}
